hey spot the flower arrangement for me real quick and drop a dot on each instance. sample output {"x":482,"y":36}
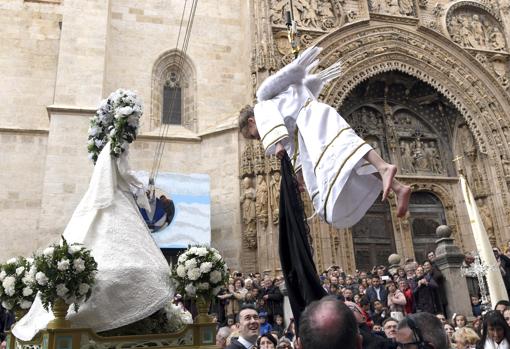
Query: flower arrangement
{"x":17,"y":276}
{"x":116,"y":120}
{"x":200,"y":272}
{"x":65,"y":271}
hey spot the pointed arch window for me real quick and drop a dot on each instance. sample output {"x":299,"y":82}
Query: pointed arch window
{"x":173,"y":91}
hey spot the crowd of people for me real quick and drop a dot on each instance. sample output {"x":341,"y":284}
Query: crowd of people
{"x":382,"y":297}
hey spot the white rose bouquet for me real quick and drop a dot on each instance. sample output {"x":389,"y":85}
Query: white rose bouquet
{"x":65,"y":271}
{"x":117,"y":120}
{"x":200,"y":271}
{"x":177,"y":317}
{"x":17,"y":276}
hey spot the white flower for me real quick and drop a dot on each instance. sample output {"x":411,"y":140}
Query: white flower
{"x":48,"y":251}
{"x":7,"y":305}
{"x":202,"y":251}
{"x":215,"y":276}
{"x":216,"y":290}
{"x":3,"y":274}
{"x":41,"y":278}
{"x":27,"y":291}
{"x":79,"y":265}
{"x":93,"y":131}
{"x":190,"y":290}
{"x":181,"y":271}
{"x":63,"y":264}
{"x":98,"y":143}
{"x":203,"y":286}
{"x":205,"y":267}
{"x":126,"y":110}
{"x":194,"y":274}
{"x":11,"y":261}
{"x":30,"y":260}
{"x":62,"y":290}
{"x":191,"y":263}
{"x":20,"y":270}
{"x":83,"y":289}
{"x":74,"y":248}
{"x":9,"y":285}
{"x":193,"y":250}
{"x":25,"y":304}
{"x":182,"y":258}
{"x":133,"y":120}
{"x":216,"y":257}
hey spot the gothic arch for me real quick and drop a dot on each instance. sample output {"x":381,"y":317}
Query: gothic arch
{"x":176,"y":62}
{"x":366,"y":51}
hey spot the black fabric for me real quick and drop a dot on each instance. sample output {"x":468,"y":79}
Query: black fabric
{"x":301,"y":278}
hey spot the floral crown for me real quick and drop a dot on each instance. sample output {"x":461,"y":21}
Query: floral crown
{"x":116,"y":120}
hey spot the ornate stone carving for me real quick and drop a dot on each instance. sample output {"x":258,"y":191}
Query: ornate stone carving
{"x":259,"y":159}
{"x":310,"y":14}
{"x":262,"y":201}
{"x":246,"y":160}
{"x":248,"y":197}
{"x":274,"y":186}
{"x":393,"y":7}
{"x":475,"y":28}
{"x":487,"y":221}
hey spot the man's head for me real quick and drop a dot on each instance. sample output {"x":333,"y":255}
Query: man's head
{"x":247,"y":125}
{"x":390,"y":327}
{"x":334,"y":280}
{"x":427,"y":267}
{"x":328,"y":323}
{"x":221,"y":337}
{"x":501,"y":306}
{"x":421,"y":331}
{"x":431,"y":256}
{"x":249,"y":323}
{"x":376,"y":281}
{"x":347,"y":293}
{"x":442,"y":318}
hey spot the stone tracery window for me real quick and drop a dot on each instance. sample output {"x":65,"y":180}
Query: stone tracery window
{"x":173,"y":91}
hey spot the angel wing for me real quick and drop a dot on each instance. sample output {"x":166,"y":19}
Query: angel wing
{"x":316,"y":82}
{"x":292,"y":73}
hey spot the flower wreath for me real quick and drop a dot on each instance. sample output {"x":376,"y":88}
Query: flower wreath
{"x":116,"y":120}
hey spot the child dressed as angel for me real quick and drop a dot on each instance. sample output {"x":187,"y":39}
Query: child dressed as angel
{"x":342,"y":173}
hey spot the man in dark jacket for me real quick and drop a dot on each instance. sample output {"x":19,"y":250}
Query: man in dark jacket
{"x":273,"y":299}
{"x":377,"y":292}
{"x":249,"y":327}
{"x":425,"y":294}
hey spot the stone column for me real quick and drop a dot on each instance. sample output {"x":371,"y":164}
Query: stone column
{"x":449,"y":260}
{"x":78,"y":90}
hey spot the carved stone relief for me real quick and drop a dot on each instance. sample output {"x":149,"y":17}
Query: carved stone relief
{"x":320,"y":15}
{"x":476,"y":29}
{"x":274,"y":186}
{"x":393,"y":7}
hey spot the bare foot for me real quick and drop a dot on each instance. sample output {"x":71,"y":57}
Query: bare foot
{"x":387,"y":175}
{"x":403,"y":193}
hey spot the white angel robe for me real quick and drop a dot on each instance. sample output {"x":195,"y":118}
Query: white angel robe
{"x":133,"y":276}
{"x":321,"y":143}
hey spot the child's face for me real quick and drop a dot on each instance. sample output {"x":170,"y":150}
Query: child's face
{"x":279,"y":320}
{"x":475,"y":300}
{"x":262,"y":320}
{"x":377,"y":328}
{"x":251,"y":131}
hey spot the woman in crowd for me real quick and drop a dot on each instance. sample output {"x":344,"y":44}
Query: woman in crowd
{"x":266,"y":341}
{"x":495,"y":332}
{"x":449,"y":333}
{"x":396,"y":300}
{"x":465,"y":338}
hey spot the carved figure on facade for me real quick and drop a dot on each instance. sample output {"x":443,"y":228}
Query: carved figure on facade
{"x":487,"y":220}
{"x":433,"y":158}
{"x":420,"y":160}
{"x":506,"y":165}
{"x":407,"y":162}
{"x":309,"y":14}
{"x":261,"y":201}
{"x":274,"y":186}
{"x":478,"y":30}
{"x":248,"y":209}
{"x":393,"y":7}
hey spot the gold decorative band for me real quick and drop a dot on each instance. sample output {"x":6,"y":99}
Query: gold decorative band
{"x":336,"y":177}
{"x":276,"y":141}
{"x":327,"y":146}
{"x":271,"y":130}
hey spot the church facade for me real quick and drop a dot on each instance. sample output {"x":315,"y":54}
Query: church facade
{"x":426,"y":84}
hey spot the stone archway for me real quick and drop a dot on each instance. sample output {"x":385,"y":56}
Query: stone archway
{"x":370,"y":49}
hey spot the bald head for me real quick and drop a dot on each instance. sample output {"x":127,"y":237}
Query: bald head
{"x":328,"y":323}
